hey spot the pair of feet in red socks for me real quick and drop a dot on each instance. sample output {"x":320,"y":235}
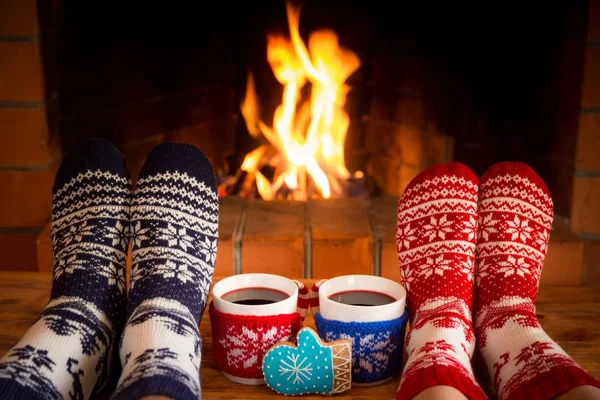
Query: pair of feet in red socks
{"x":471,"y":255}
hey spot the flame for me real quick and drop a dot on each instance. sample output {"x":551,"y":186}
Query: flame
{"x":250,"y":108}
{"x":309,"y":134}
{"x":252,"y":159}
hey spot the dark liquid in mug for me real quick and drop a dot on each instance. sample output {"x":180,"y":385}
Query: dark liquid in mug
{"x":254,"y":296}
{"x":363,"y":298}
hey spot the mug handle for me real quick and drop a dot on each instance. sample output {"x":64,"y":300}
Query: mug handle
{"x":303,"y":299}
{"x":314,"y":296}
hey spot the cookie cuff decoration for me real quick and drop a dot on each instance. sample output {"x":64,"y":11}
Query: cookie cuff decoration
{"x":313,"y":366}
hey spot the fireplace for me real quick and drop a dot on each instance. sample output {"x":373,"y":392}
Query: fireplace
{"x":430,"y":86}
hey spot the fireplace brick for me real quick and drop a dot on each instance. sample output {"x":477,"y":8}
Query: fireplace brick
{"x":26,"y":197}
{"x":591,"y":261}
{"x":273,"y":237}
{"x":400,"y":150}
{"x":28,"y":149}
{"x":383,"y":211}
{"x":26,"y":140}
{"x":594,"y":21}
{"x":591,"y":87}
{"x":18,"y":17}
{"x":588,"y":142}
{"x":21,"y":71}
{"x":585,"y":215}
{"x":18,"y":251}
{"x":341,"y":237}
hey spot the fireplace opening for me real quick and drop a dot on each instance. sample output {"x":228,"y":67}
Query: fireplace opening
{"x":424,"y":86}
{"x":327,"y":118}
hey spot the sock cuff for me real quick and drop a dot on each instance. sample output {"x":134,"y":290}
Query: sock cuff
{"x":552,"y":383}
{"x":157,"y":386}
{"x":437,"y":375}
{"x":233,"y":343}
{"x":12,"y":389}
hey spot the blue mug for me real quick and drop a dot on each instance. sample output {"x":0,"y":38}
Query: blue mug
{"x":370,"y":312}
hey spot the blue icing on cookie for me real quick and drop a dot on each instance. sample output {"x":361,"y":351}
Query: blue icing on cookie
{"x":305,"y":369}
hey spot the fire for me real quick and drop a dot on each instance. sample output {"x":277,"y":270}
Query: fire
{"x":308,"y":134}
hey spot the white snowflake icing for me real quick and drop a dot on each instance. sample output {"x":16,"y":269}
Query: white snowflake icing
{"x":293,"y":368}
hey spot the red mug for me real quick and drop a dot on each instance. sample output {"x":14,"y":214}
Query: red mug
{"x":249,"y":314}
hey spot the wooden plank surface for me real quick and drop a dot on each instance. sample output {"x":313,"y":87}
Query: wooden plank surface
{"x":342,"y":242}
{"x":570,"y":315}
{"x":273,"y":239}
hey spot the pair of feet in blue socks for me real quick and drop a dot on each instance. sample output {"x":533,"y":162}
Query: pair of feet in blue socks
{"x":171,"y":218}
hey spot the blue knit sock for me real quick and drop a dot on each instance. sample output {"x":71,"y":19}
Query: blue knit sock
{"x":67,"y":353}
{"x":174,"y":219}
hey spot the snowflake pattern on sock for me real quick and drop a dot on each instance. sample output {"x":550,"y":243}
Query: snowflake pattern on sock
{"x":68,"y":352}
{"x":515,"y":217}
{"x":436,"y":233}
{"x":175,"y":229}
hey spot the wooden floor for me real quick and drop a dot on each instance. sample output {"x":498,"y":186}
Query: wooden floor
{"x":570,"y":315}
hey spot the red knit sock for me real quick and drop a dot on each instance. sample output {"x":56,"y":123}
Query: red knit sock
{"x":515,"y":218}
{"x":437,"y":223}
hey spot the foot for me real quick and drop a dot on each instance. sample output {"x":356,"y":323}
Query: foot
{"x":67,"y":353}
{"x":515,"y":219}
{"x":437,"y":222}
{"x":174,"y":218}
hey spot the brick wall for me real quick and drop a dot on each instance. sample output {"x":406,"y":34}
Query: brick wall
{"x":28,"y":149}
{"x":585,"y":215}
